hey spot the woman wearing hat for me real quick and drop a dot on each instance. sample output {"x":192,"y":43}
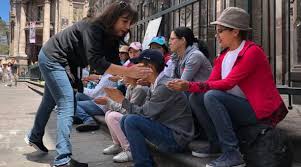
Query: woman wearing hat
{"x":240,"y":90}
{"x":124,"y":53}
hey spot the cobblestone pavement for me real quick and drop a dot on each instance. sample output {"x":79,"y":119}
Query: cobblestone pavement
{"x":17,"y":109}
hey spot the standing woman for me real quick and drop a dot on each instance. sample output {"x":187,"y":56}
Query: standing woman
{"x":239,"y":92}
{"x":90,"y":41}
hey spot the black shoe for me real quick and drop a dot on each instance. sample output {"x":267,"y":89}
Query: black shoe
{"x":73,"y":163}
{"x":86,"y":127}
{"x":77,"y":121}
{"x":37,"y":145}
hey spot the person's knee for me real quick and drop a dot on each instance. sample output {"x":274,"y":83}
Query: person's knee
{"x":193,"y":98}
{"x":113,"y":117}
{"x":196,"y":99}
{"x":132,"y":121}
{"x":212,"y":95}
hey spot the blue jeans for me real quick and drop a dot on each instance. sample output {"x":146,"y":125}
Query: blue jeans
{"x":220,"y":113}
{"x":137,"y":129}
{"x":57,"y":91}
{"x":86,"y":108}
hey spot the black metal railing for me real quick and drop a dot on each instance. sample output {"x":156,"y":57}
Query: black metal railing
{"x":270,"y":20}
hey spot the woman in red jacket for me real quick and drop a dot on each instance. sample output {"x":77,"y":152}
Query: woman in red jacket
{"x":240,"y":90}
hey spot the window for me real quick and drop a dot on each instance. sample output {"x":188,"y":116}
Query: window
{"x":77,"y":12}
{"x":40,"y":14}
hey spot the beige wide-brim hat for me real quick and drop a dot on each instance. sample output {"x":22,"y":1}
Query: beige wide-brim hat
{"x":234,"y":17}
{"x":124,"y":49}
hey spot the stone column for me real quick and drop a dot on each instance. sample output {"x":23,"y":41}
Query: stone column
{"x":70,"y":13}
{"x":296,"y":54}
{"x":85,"y":8}
{"x":22,"y":37}
{"x":46,"y":21}
{"x":14,"y":42}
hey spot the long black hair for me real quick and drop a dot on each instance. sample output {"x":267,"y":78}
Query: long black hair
{"x":187,"y":33}
{"x":111,"y":14}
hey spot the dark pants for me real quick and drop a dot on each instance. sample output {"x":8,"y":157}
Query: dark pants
{"x":220,"y":113}
{"x":137,"y":129}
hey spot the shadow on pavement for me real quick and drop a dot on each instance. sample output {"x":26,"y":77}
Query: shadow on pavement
{"x":39,"y":157}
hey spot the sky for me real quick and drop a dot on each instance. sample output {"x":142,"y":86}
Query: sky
{"x":4,"y":9}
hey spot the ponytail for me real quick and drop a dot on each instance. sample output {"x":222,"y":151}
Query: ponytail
{"x":202,"y":47}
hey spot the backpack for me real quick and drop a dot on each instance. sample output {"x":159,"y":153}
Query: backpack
{"x":265,"y":146}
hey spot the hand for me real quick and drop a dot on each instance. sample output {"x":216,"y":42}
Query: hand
{"x":143,"y":82}
{"x":178,"y":85}
{"x":138,"y":71}
{"x":101,"y":100}
{"x":114,"y":94}
{"x":114,"y":78}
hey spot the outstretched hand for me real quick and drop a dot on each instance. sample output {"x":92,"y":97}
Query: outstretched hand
{"x":114,"y":94}
{"x":178,"y":85}
{"x":138,"y":71}
{"x":101,"y":100}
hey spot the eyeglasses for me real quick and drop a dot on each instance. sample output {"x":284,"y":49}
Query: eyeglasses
{"x":221,"y":30}
{"x":123,"y":4}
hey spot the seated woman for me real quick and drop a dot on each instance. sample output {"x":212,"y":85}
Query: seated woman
{"x":135,"y":94}
{"x":240,"y":90}
{"x":165,"y":119}
{"x":189,"y":63}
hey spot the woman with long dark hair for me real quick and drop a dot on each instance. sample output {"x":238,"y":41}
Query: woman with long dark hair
{"x":189,"y":62}
{"x":92,"y":41}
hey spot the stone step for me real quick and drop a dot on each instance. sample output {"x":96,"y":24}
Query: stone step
{"x":186,"y":159}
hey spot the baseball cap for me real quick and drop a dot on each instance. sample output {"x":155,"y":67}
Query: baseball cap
{"x":152,"y":55}
{"x":136,"y":45}
{"x":160,"y":40}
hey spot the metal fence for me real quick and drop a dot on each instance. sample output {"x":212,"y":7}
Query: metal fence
{"x":274,"y":24}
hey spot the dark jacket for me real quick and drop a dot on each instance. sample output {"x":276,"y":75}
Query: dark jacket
{"x":83,"y":43}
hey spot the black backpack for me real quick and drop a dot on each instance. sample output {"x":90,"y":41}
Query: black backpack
{"x":265,"y":146}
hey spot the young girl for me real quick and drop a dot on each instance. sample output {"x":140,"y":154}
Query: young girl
{"x":135,"y":94}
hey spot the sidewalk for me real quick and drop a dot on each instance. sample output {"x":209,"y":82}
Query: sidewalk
{"x":18,"y":106}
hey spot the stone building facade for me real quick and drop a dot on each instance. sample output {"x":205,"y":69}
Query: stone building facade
{"x":33,"y":22}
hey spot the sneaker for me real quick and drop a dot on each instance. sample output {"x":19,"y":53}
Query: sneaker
{"x":73,"y":163}
{"x":228,"y":159}
{"x":86,"y":127}
{"x":209,"y":151}
{"x":37,"y":145}
{"x":113,"y":149}
{"x":124,"y":156}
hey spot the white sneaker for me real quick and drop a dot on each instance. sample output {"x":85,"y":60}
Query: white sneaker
{"x":113,"y":149}
{"x":124,"y":156}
